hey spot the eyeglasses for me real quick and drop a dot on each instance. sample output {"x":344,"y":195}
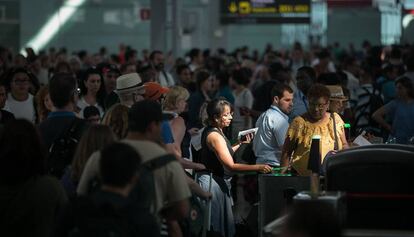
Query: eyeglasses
{"x":318,"y":106}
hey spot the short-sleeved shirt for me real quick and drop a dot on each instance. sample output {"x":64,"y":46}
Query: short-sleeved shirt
{"x":300,"y":133}
{"x":170,"y":180}
{"x":21,"y":109}
{"x":272,"y":127}
{"x":401,"y":115}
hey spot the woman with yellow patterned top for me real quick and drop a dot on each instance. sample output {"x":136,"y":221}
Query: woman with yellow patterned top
{"x":316,"y":121}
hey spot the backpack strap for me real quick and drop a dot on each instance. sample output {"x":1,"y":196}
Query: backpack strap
{"x":70,"y":131}
{"x":336,"y":145}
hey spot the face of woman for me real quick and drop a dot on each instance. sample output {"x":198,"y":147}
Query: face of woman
{"x":225,"y":117}
{"x":93,"y":83}
{"x":181,"y":105}
{"x":20,"y":84}
{"x":318,"y":107}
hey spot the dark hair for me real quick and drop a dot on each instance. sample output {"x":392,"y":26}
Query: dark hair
{"x":409,"y":62}
{"x":330,"y":78}
{"x":279,"y":89}
{"x":323,"y":54}
{"x":142,"y":113}
{"x":181,"y":68}
{"x":317,"y":91}
{"x":407,"y":84}
{"x":22,"y":155}
{"x":194,"y":53}
{"x":215,"y":108}
{"x":201,"y":76}
{"x":62,"y":88}
{"x":130,"y":53}
{"x":90,"y":111}
{"x":223,"y":77}
{"x":118,"y":164}
{"x":242,"y":76}
{"x":308,"y":71}
{"x":62,"y":65}
{"x":100,"y":95}
{"x":153,"y":53}
{"x":9,"y":75}
{"x":275,"y":69}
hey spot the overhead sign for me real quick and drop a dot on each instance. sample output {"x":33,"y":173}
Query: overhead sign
{"x":265,"y":11}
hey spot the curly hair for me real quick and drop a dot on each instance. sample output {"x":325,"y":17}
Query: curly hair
{"x":318,"y":91}
{"x":175,"y":94}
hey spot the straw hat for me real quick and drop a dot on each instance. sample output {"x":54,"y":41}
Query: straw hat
{"x":337,"y":93}
{"x":128,"y":82}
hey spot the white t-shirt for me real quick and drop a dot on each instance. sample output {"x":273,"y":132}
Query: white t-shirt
{"x":82,"y":104}
{"x":21,"y":109}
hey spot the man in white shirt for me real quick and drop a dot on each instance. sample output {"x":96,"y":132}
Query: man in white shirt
{"x":272,"y":127}
{"x":165,"y":79}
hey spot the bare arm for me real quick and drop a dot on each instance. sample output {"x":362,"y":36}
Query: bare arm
{"x":286,"y":152}
{"x":378,"y":116}
{"x":218,"y":144}
{"x":345,"y":144}
{"x":197,"y":190}
{"x":178,"y":131}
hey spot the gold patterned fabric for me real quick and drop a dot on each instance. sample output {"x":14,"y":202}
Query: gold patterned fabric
{"x":300,"y":133}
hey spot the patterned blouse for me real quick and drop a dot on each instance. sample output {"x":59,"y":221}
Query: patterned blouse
{"x":300,"y":133}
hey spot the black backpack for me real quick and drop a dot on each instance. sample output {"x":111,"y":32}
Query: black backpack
{"x":143,"y":194}
{"x":62,"y":150}
{"x":105,"y":220}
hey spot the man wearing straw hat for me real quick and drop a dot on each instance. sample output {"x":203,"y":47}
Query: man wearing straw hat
{"x":337,"y":99}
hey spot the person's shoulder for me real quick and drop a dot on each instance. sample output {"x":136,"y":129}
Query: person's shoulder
{"x":178,"y":121}
{"x":298,"y":119}
{"x":338,"y":118}
{"x":147,"y":149}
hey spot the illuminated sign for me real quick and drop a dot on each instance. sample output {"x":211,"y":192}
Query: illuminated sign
{"x":265,"y":11}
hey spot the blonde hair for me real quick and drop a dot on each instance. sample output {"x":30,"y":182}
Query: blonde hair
{"x":41,"y":109}
{"x":94,"y":139}
{"x":175,"y":94}
{"x":117,"y":119}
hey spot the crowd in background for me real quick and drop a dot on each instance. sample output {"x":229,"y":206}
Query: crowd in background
{"x":369,"y":89}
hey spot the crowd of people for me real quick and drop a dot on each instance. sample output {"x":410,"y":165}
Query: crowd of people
{"x":69,"y":115}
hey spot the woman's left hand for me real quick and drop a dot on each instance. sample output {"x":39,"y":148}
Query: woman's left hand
{"x":247,"y":138}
